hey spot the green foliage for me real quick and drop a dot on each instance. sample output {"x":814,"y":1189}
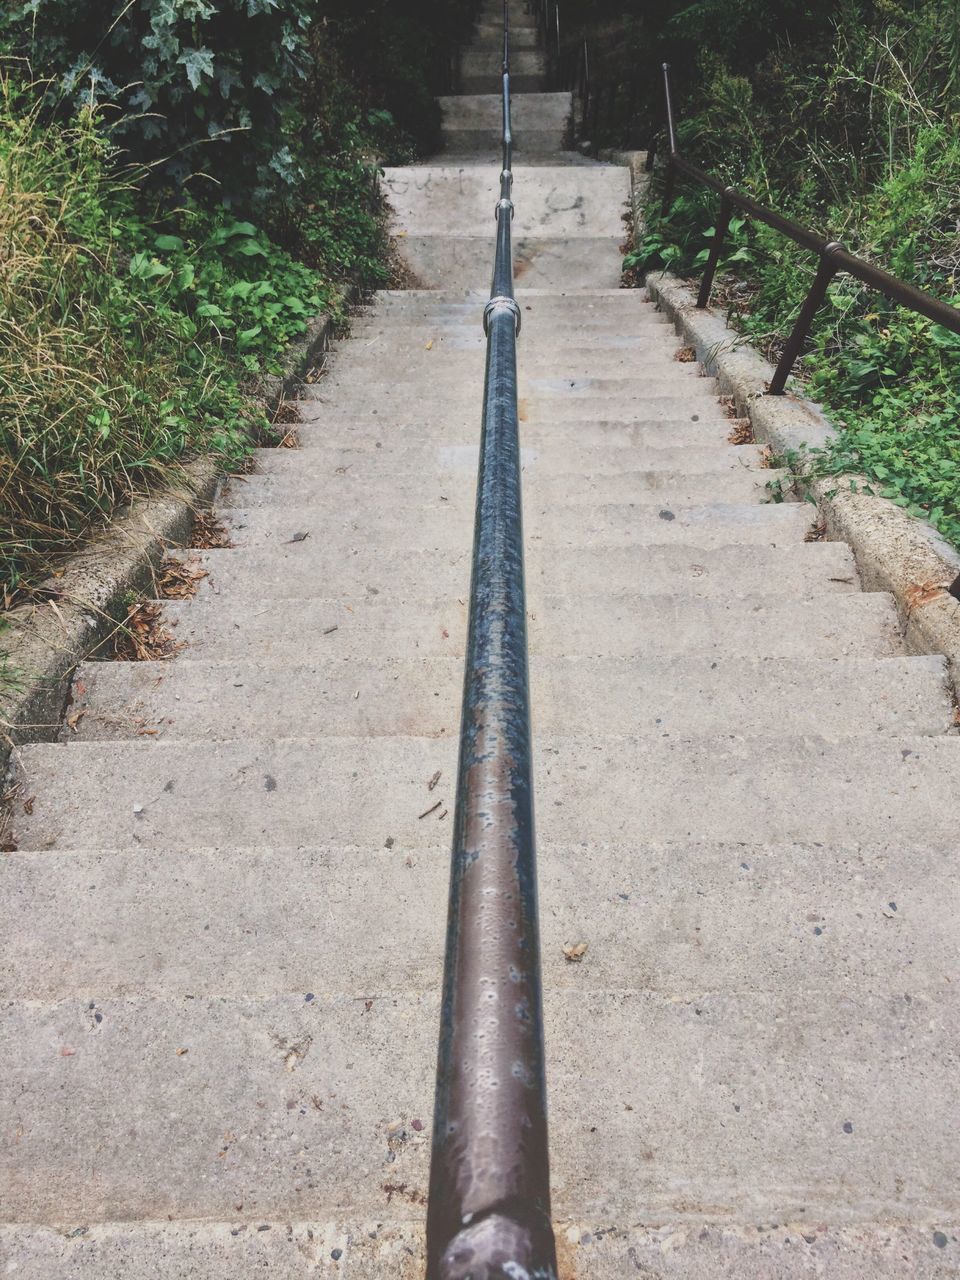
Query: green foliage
{"x":235,"y":89}
{"x":197,"y":84}
{"x":851,"y":131}
{"x":183,"y":187}
{"x":225,"y":279}
{"x":122,"y":346}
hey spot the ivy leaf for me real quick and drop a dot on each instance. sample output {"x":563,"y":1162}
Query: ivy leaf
{"x":197,"y":63}
{"x":168,"y":243}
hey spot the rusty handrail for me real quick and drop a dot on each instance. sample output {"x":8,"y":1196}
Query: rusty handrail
{"x":488,"y":1210}
{"x":833,"y":257}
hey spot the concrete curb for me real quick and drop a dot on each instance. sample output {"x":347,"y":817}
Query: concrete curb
{"x":894,"y":551}
{"x":45,"y":642}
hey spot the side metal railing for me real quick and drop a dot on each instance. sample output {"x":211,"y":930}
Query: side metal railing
{"x":488,"y":1212}
{"x":833,"y":257}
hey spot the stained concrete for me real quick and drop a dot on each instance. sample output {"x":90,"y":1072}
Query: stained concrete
{"x":222,"y":929}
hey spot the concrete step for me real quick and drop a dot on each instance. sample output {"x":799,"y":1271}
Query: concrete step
{"x":615,"y":297}
{"x":376,"y":1248}
{"x":395,"y":460}
{"x":189,"y":700}
{"x":463,"y":413}
{"x":667,"y":381}
{"x":551,"y":201}
{"x":310,"y":568}
{"x":468,"y":260}
{"x":672,"y":918}
{"x":400,"y":403}
{"x":729,"y":787}
{"x":274,"y":521}
{"x":296,"y":1092}
{"x":521,"y":82}
{"x":487,"y":59}
{"x":657,"y":342}
{"x":472,"y":122}
{"x":667,"y":490}
{"x":850,"y":624}
{"x":445,"y":362}
{"x":320,"y":428}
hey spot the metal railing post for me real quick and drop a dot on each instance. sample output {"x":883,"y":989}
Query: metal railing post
{"x":488,"y":1209}
{"x":716,"y":248}
{"x":833,"y":257}
{"x":811,"y":305}
{"x":671,"y":174}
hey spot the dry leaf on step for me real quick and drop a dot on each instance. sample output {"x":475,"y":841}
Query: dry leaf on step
{"x":575,"y":951}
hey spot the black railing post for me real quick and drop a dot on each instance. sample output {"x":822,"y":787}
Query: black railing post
{"x":488,"y":1209}
{"x":716,"y":248}
{"x":811,"y":305}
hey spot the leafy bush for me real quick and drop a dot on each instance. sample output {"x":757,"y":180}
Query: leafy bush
{"x":122,"y":347}
{"x":198,"y":85}
{"x":854,"y":134}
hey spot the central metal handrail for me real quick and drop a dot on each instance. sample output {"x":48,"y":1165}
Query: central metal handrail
{"x":488,"y":1215}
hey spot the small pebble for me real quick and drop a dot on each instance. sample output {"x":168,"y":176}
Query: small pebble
{"x":847,"y":1127}
{"x":939,"y":1239}
{"x":336,"y":1254}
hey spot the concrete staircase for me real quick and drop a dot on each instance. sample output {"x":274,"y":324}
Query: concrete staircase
{"x":223,"y":928}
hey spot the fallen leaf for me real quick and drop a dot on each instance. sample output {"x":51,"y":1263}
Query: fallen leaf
{"x":209,"y":532}
{"x":75,"y":719}
{"x":921,"y":593}
{"x":430,"y":345}
{"x":575,"y":951}
{"x":177,"y":580}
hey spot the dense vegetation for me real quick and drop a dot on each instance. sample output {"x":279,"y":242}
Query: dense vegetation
{"x":183,"y":183}
{"x":846,"y":118}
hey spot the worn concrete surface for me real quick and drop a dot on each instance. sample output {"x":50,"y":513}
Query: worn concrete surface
{"x":222,"y":928}
{"x":297,"y":569}
{"x":831,"y":625}
{"x":572,"y":695}
{"x":370,"y":1250}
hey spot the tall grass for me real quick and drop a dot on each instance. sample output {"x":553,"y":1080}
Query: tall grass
{"x":100,"y":391}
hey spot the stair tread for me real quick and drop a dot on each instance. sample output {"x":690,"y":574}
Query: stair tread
{"x":345,"y":695}
{"x":310,"y":568}
{"x":753,"y":788}
{"x":300,"y":1095}
{"x":836,"y":624}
